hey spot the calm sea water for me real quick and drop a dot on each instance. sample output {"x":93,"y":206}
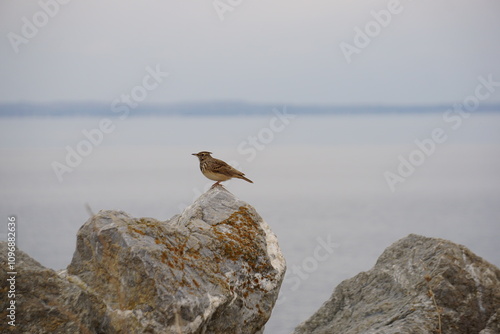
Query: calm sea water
{"x":318,"y":180}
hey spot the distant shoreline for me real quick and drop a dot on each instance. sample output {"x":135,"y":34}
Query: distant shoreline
{"x":75,"y":109}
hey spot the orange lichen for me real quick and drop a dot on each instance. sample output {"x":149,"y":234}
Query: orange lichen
{"x":239,"y":239}
{"x":136,"y":230}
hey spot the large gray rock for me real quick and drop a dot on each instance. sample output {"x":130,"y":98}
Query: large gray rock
{"x":216,"y":268}
{"x":46,"y":302}
{"x":416,"y":284}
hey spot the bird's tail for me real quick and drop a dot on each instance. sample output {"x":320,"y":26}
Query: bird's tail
{"x":244,"y":178}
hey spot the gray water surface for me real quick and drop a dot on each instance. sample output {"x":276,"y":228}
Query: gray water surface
{"x":318,"y":180}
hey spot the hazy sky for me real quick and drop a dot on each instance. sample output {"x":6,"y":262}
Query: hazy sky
{"x":281,"y":51}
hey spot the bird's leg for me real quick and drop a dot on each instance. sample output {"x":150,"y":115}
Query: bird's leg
{"x":215,"y":184}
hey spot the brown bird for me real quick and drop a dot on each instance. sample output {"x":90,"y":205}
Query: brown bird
{"x":218,"y":170}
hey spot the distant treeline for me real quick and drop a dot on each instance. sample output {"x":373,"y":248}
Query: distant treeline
{"x":212,"y":108}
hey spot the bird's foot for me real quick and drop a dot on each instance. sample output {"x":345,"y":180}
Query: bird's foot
{"x":216,"y":184}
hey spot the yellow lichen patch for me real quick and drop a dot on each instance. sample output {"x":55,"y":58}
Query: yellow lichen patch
{"x":192,"y":253}
{"x":147,"y":227}
{"x":241,"y":239}
{"x":132,"y":229}
{"x":164,"y":257}
{"x":149,"y":222}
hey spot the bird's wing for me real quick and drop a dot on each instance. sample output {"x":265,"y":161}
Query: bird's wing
{"x":223,"y":168}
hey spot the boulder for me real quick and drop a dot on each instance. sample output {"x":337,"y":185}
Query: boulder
{"x":418,"y":285}
{"x":215,"y":268}
{"x":45,"y":302}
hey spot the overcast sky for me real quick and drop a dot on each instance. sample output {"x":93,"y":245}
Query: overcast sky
{"x":281,"y":51}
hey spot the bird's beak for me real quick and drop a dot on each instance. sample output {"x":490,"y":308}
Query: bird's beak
{"x":194,"y":154}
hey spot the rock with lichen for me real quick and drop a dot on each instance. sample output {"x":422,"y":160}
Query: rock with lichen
{"x":419,"y":285}
{"x":47,"y":302}
{"x":215,"y":268}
